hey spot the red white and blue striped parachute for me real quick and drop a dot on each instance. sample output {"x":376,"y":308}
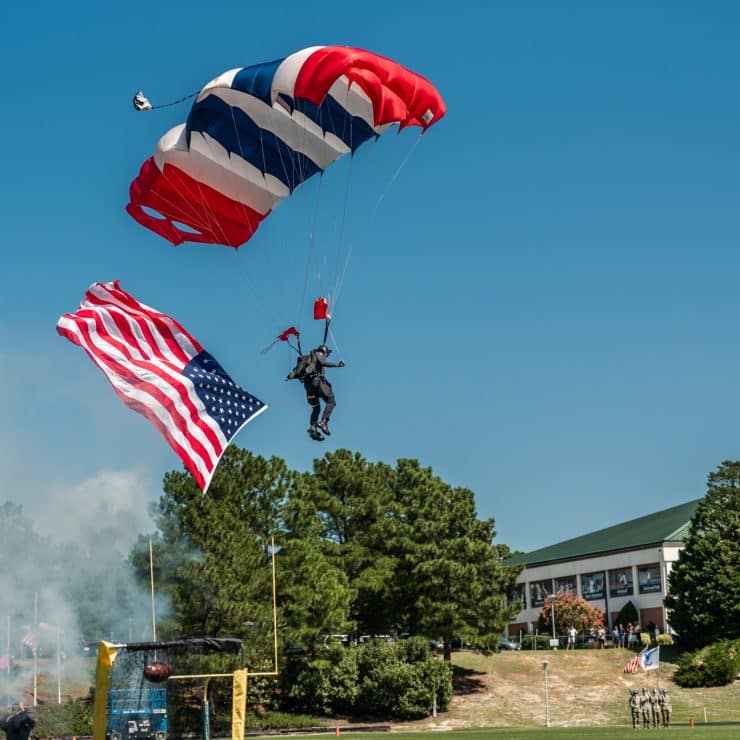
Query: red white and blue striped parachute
{"x":255,"y":134}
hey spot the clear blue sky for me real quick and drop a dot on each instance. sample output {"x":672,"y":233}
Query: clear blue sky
{"x":543,"y":305}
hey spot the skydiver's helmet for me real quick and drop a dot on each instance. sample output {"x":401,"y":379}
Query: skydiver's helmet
{"x":323,"y":349}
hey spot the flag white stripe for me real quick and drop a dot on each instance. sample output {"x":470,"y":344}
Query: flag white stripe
{"x":172,"y":371}
{"x":101,"y":355}
{"x":147,"y":372}
{"x":106,"y":295}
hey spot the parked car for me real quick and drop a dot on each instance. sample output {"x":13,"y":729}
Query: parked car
{"x":336,"y":640}
{"x":506,"y":643}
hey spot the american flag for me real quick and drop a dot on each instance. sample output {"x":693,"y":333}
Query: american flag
{"x":159,"y":370}
{"x":29,"y":640}
{"x":633,"y":664}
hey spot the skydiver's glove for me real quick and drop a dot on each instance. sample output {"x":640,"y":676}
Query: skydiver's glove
{"x":341,"y":363}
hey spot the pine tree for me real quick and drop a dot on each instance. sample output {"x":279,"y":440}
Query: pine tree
{"x":704,"y":585}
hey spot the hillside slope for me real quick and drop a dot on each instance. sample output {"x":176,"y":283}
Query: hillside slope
{"x":586,"y":688}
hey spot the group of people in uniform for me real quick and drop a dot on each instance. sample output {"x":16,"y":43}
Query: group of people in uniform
{"x":655,"y":706}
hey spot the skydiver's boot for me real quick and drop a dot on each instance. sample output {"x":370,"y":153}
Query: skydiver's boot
{"x":324,"y":426}
{"x":313,"y":432}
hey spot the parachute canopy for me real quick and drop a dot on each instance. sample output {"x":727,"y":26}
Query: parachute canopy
{"x":255,"y":134}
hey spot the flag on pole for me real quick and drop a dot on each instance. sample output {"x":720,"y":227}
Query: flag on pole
{"x":159,"y":370}
{"x":29,"y":640}
{"x":650,"y":659}
{"x":633,"y":664}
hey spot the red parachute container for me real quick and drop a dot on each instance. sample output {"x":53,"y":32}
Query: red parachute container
{"x":321,"y":309}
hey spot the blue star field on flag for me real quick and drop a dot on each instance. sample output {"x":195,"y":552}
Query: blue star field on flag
{"x":227,"y":403}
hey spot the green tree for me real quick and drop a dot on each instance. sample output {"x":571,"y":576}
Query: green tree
{"x":627,"y":614}
{"x":212,"y":558}
{"x":357,"y":510}
{"x":704,"y":585}
{"x":315,"y":596}
{"x":450,"y":577}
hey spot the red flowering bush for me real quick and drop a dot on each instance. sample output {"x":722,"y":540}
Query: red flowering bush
{"x":570,"y":611}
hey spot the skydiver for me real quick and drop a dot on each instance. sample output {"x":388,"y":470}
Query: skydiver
{"x":311,"y":374}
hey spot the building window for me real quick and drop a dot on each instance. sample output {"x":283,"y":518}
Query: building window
{"x":519,"y":594}
{"x":648,"y":578}
{"x":620,"y":582}
{"x":565,"y":585}
{"x":592,"y":586}
{"x":538,"y":591}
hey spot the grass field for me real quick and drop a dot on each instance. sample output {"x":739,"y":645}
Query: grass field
{"x":547,"y":733}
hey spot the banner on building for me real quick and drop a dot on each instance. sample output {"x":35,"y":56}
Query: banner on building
{"x":620,"y":582}
{"x":539,"y":591}
{"x":648,"y":578}
{"x":593,"y":586}
{"x":566,"y":585}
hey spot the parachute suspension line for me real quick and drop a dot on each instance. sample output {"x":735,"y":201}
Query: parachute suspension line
{"x":345,"y":208}
{"x":272,"y":314}
{"x":310,"y":220}
{"x":398,"y":171}
{"x":210,"y":218}
{"x":204,"y":219}
{"x":340,"y":282}
{"x":333,"y":341}
{"x":313,"y":219}
{"x":309,"y":258}
{"x":275,"y":313}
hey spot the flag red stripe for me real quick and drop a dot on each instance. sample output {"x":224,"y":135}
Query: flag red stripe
{"x":167,"y":330}
{"x":163,"y":323}
{"x":191,"y":452}
{"x":123,"y":371}
{"x":140,"y":408}
{"x":173,"y":378}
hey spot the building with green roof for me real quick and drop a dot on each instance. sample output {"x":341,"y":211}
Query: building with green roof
{"x":609,"y":567}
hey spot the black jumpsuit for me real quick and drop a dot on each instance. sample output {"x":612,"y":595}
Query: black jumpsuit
{"x":17,"y":725}
{"x":318,"y":388}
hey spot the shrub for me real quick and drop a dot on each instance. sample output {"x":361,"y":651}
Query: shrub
{"x":321,"y":686}
{"x":570,"y":611}
{"x":541,"y":641}
{"x":645,"y":640}
{"x":627,"y":614}
{"x":281,"y":721}
{"x":414,"y":650}
{"x":397,"y":680}
{"x":404,"y":690}
{"x":74,"y":717}
{"x":664,"y":639}
{"x":714,"y":665}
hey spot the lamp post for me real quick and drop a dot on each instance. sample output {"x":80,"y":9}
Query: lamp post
{"x":547,"y":697}
{"x":552,"y":611}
